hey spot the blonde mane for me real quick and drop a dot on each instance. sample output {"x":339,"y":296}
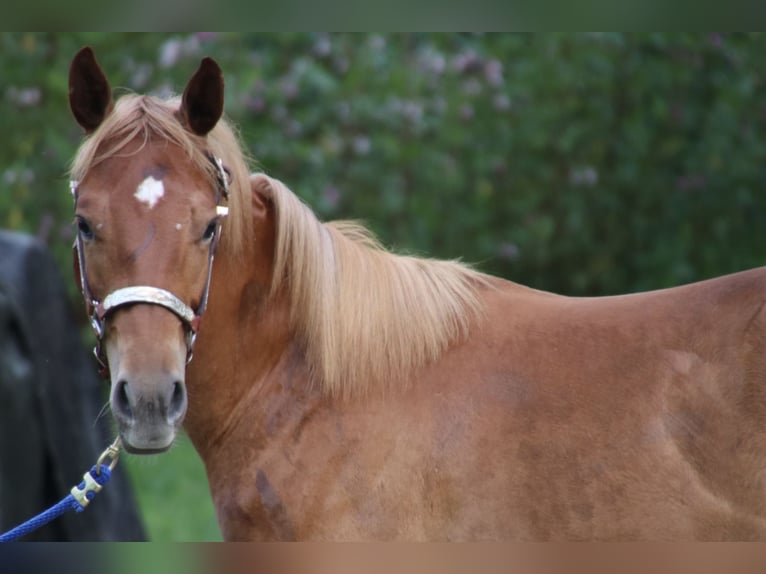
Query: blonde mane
{"x":367,"y":317}
{"x":146,"y":118}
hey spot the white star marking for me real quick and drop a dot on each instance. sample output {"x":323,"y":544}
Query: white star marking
{"x":150,"y":191}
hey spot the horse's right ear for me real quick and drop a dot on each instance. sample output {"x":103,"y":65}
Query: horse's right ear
{"x":90,"y":96}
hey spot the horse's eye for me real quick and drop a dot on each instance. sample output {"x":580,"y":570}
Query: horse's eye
{"x":84,"y":229}
{"x":210,"y":230}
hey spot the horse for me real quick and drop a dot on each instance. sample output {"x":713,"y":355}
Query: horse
{"x":340,"y":391}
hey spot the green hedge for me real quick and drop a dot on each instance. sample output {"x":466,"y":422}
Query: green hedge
{"x":584,"y":164}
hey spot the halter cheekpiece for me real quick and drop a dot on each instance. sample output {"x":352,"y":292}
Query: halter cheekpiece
{"x":150,"y":295}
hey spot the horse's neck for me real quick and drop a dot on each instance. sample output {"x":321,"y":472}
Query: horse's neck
{"x":244,"y":340}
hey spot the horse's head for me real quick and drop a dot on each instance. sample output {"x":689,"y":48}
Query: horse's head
{"x":148,"y":215}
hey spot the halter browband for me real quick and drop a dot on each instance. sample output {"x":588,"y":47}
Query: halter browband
{"x":147,"y":294}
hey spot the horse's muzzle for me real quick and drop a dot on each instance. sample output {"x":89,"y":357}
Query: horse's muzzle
{"x":148,"y":422}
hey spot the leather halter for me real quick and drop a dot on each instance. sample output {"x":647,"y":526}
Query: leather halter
{"x":99,"y":311}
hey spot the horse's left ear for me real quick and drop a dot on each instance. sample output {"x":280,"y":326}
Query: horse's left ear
{"x":202,"y":103}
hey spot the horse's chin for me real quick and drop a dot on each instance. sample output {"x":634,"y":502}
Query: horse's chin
{"x":154,"y":444}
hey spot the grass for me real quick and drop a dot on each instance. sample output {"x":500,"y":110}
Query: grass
{"x":157,"y":558}
{"x":173,"y":495}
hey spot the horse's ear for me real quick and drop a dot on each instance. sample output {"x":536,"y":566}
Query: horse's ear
{"x":90,"y":96}
{"x":261,"y":195}
{"x":202,"y":103}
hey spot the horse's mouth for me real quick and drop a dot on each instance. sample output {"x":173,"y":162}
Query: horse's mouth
{"x":154,"y":444}
{"x":150,"y":450}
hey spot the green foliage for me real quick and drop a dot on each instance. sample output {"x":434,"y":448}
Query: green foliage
{"x":584,"y":164}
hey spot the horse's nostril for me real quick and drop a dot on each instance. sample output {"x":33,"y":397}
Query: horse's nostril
{"x":121,"y":400}
{"x":177,"y":404}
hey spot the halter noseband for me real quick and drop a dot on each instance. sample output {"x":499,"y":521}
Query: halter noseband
{"x":146,"y":294}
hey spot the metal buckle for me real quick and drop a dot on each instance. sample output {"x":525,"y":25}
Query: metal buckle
{"x":112,"y":455}
{"x":81,"y":495}
{"x":223,"y":176}
{"x":95,"y":322}
{"x":191,"y":337}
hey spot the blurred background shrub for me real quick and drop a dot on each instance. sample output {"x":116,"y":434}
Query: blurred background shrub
{"x":585,"y":164}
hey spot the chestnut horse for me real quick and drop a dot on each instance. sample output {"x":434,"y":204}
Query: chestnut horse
{"x":339,"y":391}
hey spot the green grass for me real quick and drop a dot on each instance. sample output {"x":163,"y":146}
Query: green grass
{"x":173,"y":495}
{"x":156,"y":558}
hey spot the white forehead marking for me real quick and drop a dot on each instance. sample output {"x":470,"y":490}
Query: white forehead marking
{"x":150,"y":191}
{"x":178,"y":226}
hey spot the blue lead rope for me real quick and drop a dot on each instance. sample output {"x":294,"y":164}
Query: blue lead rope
{"x":67,"y":503}
{"x":77,"y":500}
